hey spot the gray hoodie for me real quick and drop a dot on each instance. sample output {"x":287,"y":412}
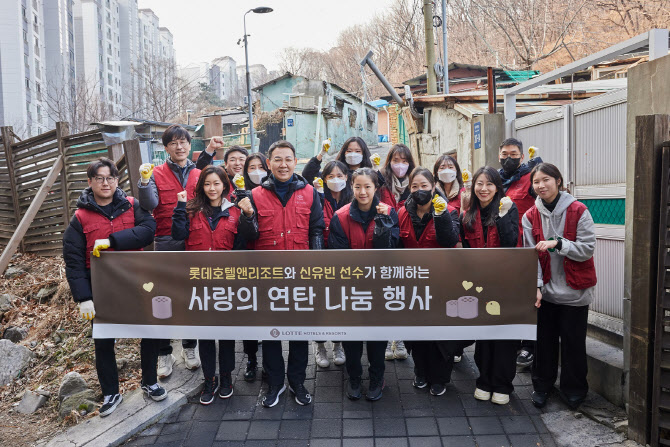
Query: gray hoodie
{"x":557,"y":290}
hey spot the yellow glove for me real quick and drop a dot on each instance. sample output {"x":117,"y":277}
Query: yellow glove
{"x":239,"y":181}
{"x":532,"y":151}
{"x":146,"y":170}
{"x":376,"y":160}
{"x":439,"y":205}
{"x":505,"y":205}
{"x":318,"y":184}
{"x":87,"y":310}
{"x":100,"y":244}
{"x":466,"y":175}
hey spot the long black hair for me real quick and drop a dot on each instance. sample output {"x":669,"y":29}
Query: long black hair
{"x":387,"y":172}
{"x":365,"y":163}
{"x":201,"y":202}
{"x":264,"y":161}
{"x":470,"y":215}
{"x":446,"y":158}
{"x":347,"y":193}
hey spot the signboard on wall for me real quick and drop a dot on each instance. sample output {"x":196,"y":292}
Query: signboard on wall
{"x":477,"y":135}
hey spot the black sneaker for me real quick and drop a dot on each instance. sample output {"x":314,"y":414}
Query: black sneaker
{"x":250,"y":373}
{"x":155,"y":391}
{"x":272,"y":396}
{"x":573,"y":401}
{"x":437,"y":389}
{"x":375,"y":389}
{"x":209,"y":390}
{"x":539,"y":398}
{"x":110,"y":404}
{"x":354,"y":388}
{"x":302,"y":396}
{"x":226,"y":389}
{"x":419,"y":382}
{"x":524,"y":359}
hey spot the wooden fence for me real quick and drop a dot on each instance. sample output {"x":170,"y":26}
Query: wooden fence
{"x":41,"y":179}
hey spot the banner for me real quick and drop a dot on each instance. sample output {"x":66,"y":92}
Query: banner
{"x":428,"y":294}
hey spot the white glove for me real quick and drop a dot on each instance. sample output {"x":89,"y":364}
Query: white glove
{"x":376,"y":160}
{"x":532,"y":152}
{"x":87,"y":310}
{"x":505,"y":205}
{"x":318,"y":184}
{"x":325,"y":146}
{"x":100,"y":244}
{"x":146,"y":170}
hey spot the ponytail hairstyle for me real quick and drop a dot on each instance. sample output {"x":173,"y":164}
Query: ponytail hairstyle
{"x":347,"y":193}
{"x":551,"y":171}
{"x":469,"y":216}
{"x":201,"y":202}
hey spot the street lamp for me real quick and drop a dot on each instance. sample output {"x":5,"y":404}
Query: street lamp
{"x":259,"y":10}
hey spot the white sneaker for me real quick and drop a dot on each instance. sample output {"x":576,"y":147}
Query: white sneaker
{"x":388,"y":355}
{"x":191,"y":358}
{"x":339,"y":358}
{"x":500,"y":399}
{"x":399,"y":350}
{"x":482,"y":395}
{"x":165,"y":363}
{"x":321,"y":356}
{"x":457,"y":359}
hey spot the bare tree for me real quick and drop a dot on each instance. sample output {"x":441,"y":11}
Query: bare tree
{"x":632,"y":16}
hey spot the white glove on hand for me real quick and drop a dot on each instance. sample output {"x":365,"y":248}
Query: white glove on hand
{"x":318,"y":185}
{"x":87,"y":310}
{"x":100,"y":244}
{"x":532,"y":151}
{"x":146,"y":170}
{"x":325,"y":147}
{"x":505,"y":205}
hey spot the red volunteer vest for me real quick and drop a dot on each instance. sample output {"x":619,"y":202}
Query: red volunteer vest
{"x":358,"y":238}
{"x":578,"y":275}
{"x":96,"y":226}
{"x":518,"y":192}
{"x":428,"y":238}
{"x":283,"y":227}
{"x":386,"y":196}
{"x":168,"y":186}
{"x":202,"y":237}
{"x":327,"y":217}
{"x":475,"y":236}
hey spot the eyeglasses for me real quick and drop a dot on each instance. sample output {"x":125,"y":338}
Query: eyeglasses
{"x":101,"y":180}
{"x":177,"y":143}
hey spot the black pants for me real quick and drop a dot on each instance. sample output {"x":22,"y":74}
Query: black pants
{"x":165,"y":347}
{"x":434,"y":360}
{"x":250,"y":349}
{"x":273,"y":361}
{"x":207,"y":350}
{"x":568,"y":323}
{"x":105,"y":363}
{"x":496,"y":361}
{"x":354,"y":351}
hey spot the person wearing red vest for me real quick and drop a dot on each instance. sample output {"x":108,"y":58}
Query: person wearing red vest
{"x":516,"y":181}
{"x":352,"y":227}
{"x":399,"y":163}
{"x":427,"y":221}
{"x":287,"y":216}
{"x":335,"y":193}
{"x":491,"y":221}
{"x":209,"y":222}
{"x":449,"y":180}
{"x":158,"y":188}
{"x":562,"y":231}
{"x":106,"y":219}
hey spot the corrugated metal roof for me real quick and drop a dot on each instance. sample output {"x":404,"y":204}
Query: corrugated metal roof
{"x":523,"y":108}
{"x":606,"y":85}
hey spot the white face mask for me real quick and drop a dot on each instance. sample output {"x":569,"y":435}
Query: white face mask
{"x":336,"y":184}
{"x":257,"y":176}
{"x":447,"y":175}
{"x":353,"y":158}
{"x":399,"y":169}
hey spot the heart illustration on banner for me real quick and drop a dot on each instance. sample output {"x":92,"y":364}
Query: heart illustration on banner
{"x":467,"y":285}
{"x":479,"y":289}
{"x":149,"y":286}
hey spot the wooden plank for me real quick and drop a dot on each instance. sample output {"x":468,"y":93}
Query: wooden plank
{"x":62,"y":130}
{"x":77,"y":137}
{"x":51,"y":155}
{"x":7,"y":134}
{"x":131,"y":149}
{"x":36,"y":140}
{"x":213,"y":126}
{"x":99,"y":146}
{"x":35,"y":151}
{"x":23,"y":226}
{"x":52,"y":237}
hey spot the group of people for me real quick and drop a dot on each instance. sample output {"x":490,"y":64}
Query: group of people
{"x":254,"y":202}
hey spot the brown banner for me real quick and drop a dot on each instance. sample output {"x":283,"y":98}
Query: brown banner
{"x":308,"y":295}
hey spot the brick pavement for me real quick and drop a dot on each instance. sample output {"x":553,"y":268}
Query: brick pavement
{"x":404,"y":416}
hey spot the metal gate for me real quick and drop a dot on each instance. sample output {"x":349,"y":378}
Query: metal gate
{"x":272,"y":134}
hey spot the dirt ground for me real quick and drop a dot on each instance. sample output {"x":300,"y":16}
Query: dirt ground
{"x":61,"y":341}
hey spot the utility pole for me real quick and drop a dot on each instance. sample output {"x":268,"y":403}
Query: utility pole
{"x":430,"y":46}
{"x":445,"y":62}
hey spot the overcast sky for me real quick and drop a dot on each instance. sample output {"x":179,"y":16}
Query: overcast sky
{"x":206,"y":29}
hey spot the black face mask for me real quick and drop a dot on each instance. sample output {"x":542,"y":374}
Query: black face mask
{"x":422,"y":196}
{"x":510,"y":165}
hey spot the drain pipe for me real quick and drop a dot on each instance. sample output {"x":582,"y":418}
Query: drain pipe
{"x":368,"y":60}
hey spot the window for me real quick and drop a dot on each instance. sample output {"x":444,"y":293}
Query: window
{"x":27,"y":84}
{"x":38,"y":89}
{"x":352,"y":118}
{"x":25,"y":36}
{"x":25,"y":15}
